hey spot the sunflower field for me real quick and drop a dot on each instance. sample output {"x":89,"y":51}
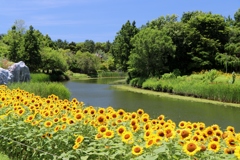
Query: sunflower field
{"x":32,"y":127}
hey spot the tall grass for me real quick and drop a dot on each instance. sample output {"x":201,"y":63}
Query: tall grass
{"x":43,"y":89}
{"x":213,"y":86}
{"x":40,"y":77}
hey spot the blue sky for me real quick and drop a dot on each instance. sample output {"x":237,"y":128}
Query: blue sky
{"x":99,"y":20}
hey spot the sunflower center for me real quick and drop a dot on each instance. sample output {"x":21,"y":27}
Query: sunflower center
{"x":213,"y":146}
{"x":191,"y":147}
{"x":137,"y":150}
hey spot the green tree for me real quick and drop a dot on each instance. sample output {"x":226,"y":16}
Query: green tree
{"x":14,"y":40}
{"x":53,"y":60}
{"x":149,"y":57}
{"x":87,"y":46}
{"x":121,"y":46}
{"x":207,"y":38}
{"x":32,"y":56}
{"x":237,"y":17}
{"x":87,"y":63}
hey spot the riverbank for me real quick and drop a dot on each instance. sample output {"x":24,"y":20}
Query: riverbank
{"x":168,"y":95}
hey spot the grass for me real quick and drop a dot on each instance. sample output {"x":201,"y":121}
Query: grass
{"x":168,"y":95}
{"x":43,"y":89}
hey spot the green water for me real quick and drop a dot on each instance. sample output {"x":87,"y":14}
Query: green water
{"x":99,"y":93}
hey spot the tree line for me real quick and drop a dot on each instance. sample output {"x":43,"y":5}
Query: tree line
{"x":198,"y":41}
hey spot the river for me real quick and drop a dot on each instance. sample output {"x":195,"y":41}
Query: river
{"x":99,"y":93}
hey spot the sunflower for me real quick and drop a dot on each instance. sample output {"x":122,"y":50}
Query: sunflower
{"x":214,"y":146}
{"x":147,"y":134}
{"x":231,"y":141}
{"x":161,"y":117}
{"x":149,"y":142}
{"x":209,"y":131}
{"x":56,"y":128}
{"x":79,"y":139}
{"x":98,"y":136}
{"x":78,"y":116}
{"x":56,"y":120}
{"x":134,"y":115}
{"x":101,"y":119}
{"x":30,"y":118}
{"x":135,"y":128}
{"x":160,"y":133}
{"x":133,"y":122}
{"x":147,"y":126}
{"x":102,"y":129}
{"x":121,"y":112}
{"x":215,"y":127}
{"x":169,"y":132}
{"x":126,"y":117}
{"x":48,"y":124}
{"x":140,"y":112}
{"x":101,"y":111}
{"x":182,"y":124}
{"x":70,"y":121}
{"x":145,"y":118}
{"x":127,"y":137}
{"x":185,"y":134}
{"x":108,"y":134}
{"x":76,"y":146}
{"x":237,"y":152}
{"x":218,"y":133}
{"x":21,"y":111}
{"x":113,"y":115}
{"x":231,"y":129}
{"x":121,"y":130}
{"x":137,"y":150}
{"x":191,"y":148}
{"x":64,"y":126}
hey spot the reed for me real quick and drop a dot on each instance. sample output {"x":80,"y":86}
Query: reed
{"x":43,"y":89}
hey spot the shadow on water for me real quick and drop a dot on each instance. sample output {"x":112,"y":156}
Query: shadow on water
{"x":97,"y":92}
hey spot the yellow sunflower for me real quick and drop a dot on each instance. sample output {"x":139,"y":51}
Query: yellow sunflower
{"x":149,"y":142}
{"x":108,"y":134}
{"x":76,"y":146}
{"x":137,"y":150}
{"x":214,"y":146}
{"x":79,"y":139}
{"x":191,"y":147}
{"x":231,"y":141}
{"x":127,"y":137}
{"x":48,"y":124}
{"x":121,"y":130}
{"x":102,"y":129}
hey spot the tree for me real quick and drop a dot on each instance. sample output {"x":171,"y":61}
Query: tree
{"x":61,"y":44}
{"x":32,"y":56}
{"x":87,"y":63}
{"x":20,"y":26}
{"x":237,"y":16}
{"x":88,"y":46}
{"x":121,"y":46}
{"x":14,"y":40}
{"x":150,"y":54}
{"x":207,"y":38}
{"x":53,"y":60}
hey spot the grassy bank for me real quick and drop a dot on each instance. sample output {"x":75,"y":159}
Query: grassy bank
{"x":43,"y":89}
{"x":211,"y":85}
{"x":170,"y":95}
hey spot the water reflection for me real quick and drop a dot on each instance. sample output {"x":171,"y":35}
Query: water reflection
{"x":98,"y":93}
